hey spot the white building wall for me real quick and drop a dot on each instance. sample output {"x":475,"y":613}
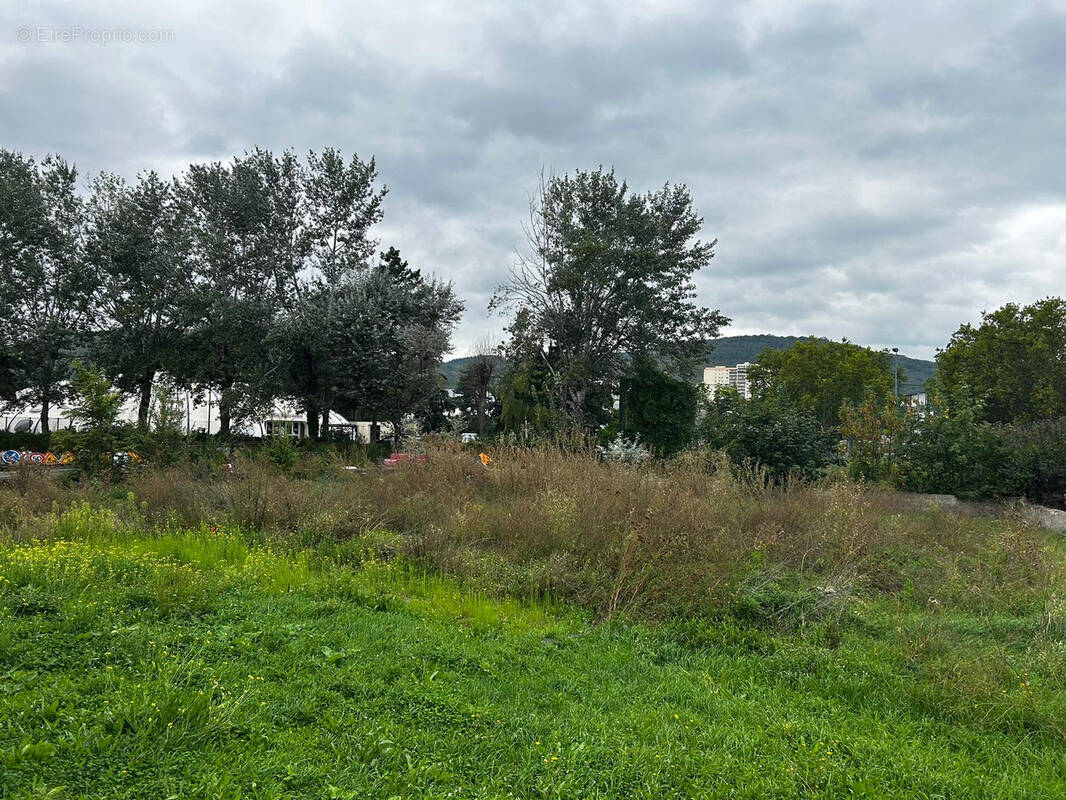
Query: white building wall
{"x":715,"y":377}
{"x":194,"y":416}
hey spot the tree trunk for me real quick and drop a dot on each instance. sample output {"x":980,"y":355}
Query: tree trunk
{"x":46,"y":407}
{"x":144,"y":404}
{"x":224,"y":401}
{"x":46,"y":394}
{"x":482,"y":427}
{"x":311,"y":412}
{"x":325,"y":422}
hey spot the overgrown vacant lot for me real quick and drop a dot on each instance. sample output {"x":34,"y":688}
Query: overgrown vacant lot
{"x":551,"y":628}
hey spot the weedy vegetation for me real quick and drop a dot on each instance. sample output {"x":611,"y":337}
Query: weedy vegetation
{"x":552,"y":625}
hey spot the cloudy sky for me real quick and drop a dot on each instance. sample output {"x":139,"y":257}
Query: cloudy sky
{"x":880,"y":171}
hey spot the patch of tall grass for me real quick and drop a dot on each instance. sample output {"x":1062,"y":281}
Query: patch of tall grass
{"x":659,"y":541}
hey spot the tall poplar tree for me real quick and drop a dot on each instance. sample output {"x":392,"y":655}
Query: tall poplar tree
{"x":607,"y":275}
{"x":49,"y":284}
{"x":139,"y":243}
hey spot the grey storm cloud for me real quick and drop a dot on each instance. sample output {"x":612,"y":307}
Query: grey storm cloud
{"x":877,"y":171}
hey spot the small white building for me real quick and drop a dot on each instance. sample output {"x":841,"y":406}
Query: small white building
{"x":196,"y":415}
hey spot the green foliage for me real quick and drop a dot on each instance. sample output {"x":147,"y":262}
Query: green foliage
{"x":236,"y":280}
{"x":34,"y":442}
{"x":368,"y":345}
{"x":419,"y":315}
{"x":49,"y":288}
{"x":281,"y":451}
{"x":527,"y":401}
{"x":820,"y":377}
{"x":871,"y":430}
{"x":139,"y":242}
{"x":95,"y":434}
{"x":1013,"y":361}
{"x":95,"y":403}
{"x":1037,"y":459}
{"x":608,"y":275}
{"x":474,"y":386}
{"x":658,"y":409}
{"x":730,"y":350}
{"x":949,"y":449}
{"x":768,"y":434}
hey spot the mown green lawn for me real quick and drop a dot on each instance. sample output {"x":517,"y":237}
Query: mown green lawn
{"x":197,"y":665}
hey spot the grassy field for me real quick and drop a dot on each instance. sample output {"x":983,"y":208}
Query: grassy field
{"x":155,"y":659}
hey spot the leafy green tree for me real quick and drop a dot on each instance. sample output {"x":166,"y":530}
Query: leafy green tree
{"x":94,"y":433}
{"x":768,"y":433}
{"x":139,"y":243}
{"x":49,"y":286}
{"x":948,"y":448}
{"x":301,"y":343}
{"x":526,"y":402}
{"x":235,"y":283}
{"x":658,"y":409}
{"x":474,"y":387}
{"x":871,"y":429}
{"x":820,"y":377}
{"x":289,"y":238}
{"x":1013,"y":361}
{"x":370,"y":344}
{"x":343,"y":205}
{"x":435,"y":413}
{"x":608,"y":275}
{"x":339,"y":204}
{"x":528,"y":397}
{"x":10,"y":371}
{"x":420,"y":315}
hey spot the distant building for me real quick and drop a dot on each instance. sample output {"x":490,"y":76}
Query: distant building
{"x":715,"y":377}
{"x":201,"y":414}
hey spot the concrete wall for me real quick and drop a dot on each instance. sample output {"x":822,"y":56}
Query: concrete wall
{"x":1050,"y":518}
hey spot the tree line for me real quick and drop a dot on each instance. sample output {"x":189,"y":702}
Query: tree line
{"x":253,"y":279}
{"x":259,"y":278}
{"x":256,"y":279}
{"x":993,"y":423}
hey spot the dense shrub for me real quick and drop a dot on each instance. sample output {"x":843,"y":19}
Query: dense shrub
{"x":767,"y":434}
{"x":1036,"y":459}
{"x":33,"y":442}
{"x":947,"y":448}
{"x":953,"y":452}
{"x":658,"y":409}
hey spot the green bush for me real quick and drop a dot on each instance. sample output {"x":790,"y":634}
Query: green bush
{"x":658,"y":409}
{"x":950,"y":450}
{"x":33,"y":442}
{"x":282,"y":452}
{"x":1037,"y":459}
{"x":768,"y":434}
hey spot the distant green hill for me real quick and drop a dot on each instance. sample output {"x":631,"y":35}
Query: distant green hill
{"x":730,"y":350}
{"x":451,"y":369}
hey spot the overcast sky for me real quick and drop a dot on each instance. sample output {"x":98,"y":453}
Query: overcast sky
{"x":880,"y":171}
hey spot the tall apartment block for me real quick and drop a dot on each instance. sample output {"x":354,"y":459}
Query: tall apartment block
{"x":714,"y":378}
